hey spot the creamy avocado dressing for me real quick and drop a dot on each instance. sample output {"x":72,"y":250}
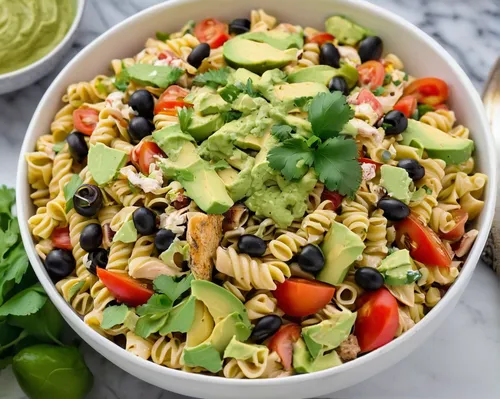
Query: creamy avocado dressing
{"x":30,"y":29}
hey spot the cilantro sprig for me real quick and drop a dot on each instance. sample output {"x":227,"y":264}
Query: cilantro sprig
{"x":231,"y":92}
{"x":212,"y":78}
{"x":334,"y":158}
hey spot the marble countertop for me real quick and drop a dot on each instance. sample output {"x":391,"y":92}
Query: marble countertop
{"x":462,"y":359}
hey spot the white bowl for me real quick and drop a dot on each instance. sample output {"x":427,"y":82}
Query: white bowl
{"x":422,"y":56}
{"x":29,"y":74}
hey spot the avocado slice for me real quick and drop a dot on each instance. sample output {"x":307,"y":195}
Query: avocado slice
{"x":242,"y":75}
{"x":127,"y":233}
{"x":210,"y":103}
{"x":256,"y":57}
{"x":438,"y":144}
{"x":304,"y":363}
{"x":197,"y":177}
{"x":341,"y":248}
{"x":241,"y":351}
{"x":105,"y":163}
{"x":201,"y":127}
{"x":202,"y":326}
{"x":346,"y":31}
{"x":278,"y":39}
{"x":397,"y":182}
{"x":238,"y":184}
{"x":324,"y":73}
{"x":397,"y":268}
{"x":328,"y":334}
{"x":219,"y":301}
{"x":289,"y":92}
{"x":208,"y":354}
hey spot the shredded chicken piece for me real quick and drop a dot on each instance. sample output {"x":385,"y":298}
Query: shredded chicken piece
{"x":146,"y":184}
{"x":349,"y":55}
{"x":369,"y":171}
{"x":466,"y":243}
{"x":366,"y":130}
{"x":349,"y":349}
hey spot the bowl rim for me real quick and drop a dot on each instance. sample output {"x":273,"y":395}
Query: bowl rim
{"x":93,"y":336}
{"x":80,"y":6}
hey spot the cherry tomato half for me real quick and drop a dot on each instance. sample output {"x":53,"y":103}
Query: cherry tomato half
{"x":321,"y":38}
{"x":60,"y":238}
{"x":371,"y":74}
{"x":211,"y":31}
{"x":124,"y":288}
{"x":144,"y":154}
{"x":300,"y":297}
{"x":460,"y":217}
{"x":282,"y":343}
{"x":431,"y":91}
{"x":85,"y":120}
{"x":377,"y":319}
{"x":333,"y":196}
{"x":365,"y":96}
{"x":424,"y":245}
{"x":407,"y":105}
{"x":171,"y":99}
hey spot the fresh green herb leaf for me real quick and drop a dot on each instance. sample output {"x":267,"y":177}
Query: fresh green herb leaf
{"x":12,"y":270}
{"x":386,"y":125}
{"x":163,"y":36}
{"x":185,"y":115}
{"x":181,"y":317}
{"x":122,"y":79}
{"x":378,"y":91}
{"x":232,"y":115}
{"x":412,"y":276}
{"x":397,"y":82}
{"x":250,"y":90}
{"x":423,"y":109}
{"x":154,"y":315}
{"x":328,"y":114}
{"x":313,"y":141}
{"x":156,"y":75}
{"x":282,"y":132}
{"x":172,"y":287}
{"x":75,"y":289}
{"x":158,"y":303}
{"x":25,"y":302}
{"x":406,"y":77}
{"x":303,"y":102}
{"x":387,"y":79}
{"x":70,"y":190}
{"x":7,"y":199}
{"x":114,"y":315}
{"x":336,"y":163}
{"x":415,"y":115}
{"x":219,"y":165}
{"x":427,"y":189}
{"x":188,"y":28}
{"x":57,"y":147}
{"x":150,"y":324}
{"x":292,"y":158}
{"x":9,"y":237}
{"x":230,"y":93}
{"x":212,"y":78}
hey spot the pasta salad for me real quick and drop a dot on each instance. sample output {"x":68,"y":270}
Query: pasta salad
{"x":255,"y":199}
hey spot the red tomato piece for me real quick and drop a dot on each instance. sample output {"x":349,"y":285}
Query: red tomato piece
{"x":431,"y":91}
{"x":212,"y":31}
{"x":60,"y":238}
{"x":441,"y":106}
{"x":371,"y":74}
{"x":424,"y":245}
{"x":460,"y":217}
{"x":370,"y":161}
{"x":333,"y":196}
{"x":377,"y":319}
{"x":144,"y":154}
{"x":407,"y":105}
{"x":85,"y":120}
{"x":300,"y":297}
{"x":171,"y":99}
{"x":124,"y":288}
{"x":321,"y":38}
{"x":282,"y":343}
{"x":365,"y":96}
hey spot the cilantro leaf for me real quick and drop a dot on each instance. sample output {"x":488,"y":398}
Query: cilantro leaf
{"x":328,"y":114}
{"x":156,"y":75}
{"x":406,"y":77}
{"x":336,"y":163}
{"x":114,"y":315}
{"x":158,"y":303}
{"x":423,"y":109}
{"x":163,"y":36}
{"x":122,"y":80}
{"x":185,"y":115}
{"x":154,"y":314}
{"x":282,"y":132}
{"x":412,"y":276}
{"x":172,"y":288}
{"x":212,"y":78}
{"x":150,"y":324}
{"x":250,"y":90}
{"x":303,"y":102}
{"x":378,"y":91}
{"x":387,"y":79}
{"x":12,"y":270}
{"x":397,"y":82}
{"x":7,"y":199}
{"x":232,"y":115}
{"x":57,"y":147}
{"x":293,"y":158}
{"x":181,"y":317}
{"x":70,"y":190}
{"x":25,"y":302}
{"x":230,"y":93}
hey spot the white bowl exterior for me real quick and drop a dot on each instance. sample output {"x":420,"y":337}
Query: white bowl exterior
{"x":31,"y":73}
{"x":422,"y":57}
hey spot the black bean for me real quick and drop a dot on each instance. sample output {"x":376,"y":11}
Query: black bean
{"x":394,"y":210}
{"x":370,"y":48}
{"x":252,"y":245}
{"x":87,"y":200}
{"x":77,"y":146}
{"x":311,"y":259}
{"x":395,"y":122}
{"x":369,"y":278}
{"x":329,"y":55}
{"x":199,"y":53}
{"x":413,"y":167}
{"x":338,"y":83}
{"x":59,"y":263}
{"x":265,"y":327}
{"x":143,"y":102}
{"x":91,"y":237}
{"x":144,"y":221}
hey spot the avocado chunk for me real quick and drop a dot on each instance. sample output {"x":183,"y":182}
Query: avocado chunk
{"x":241,"y":351}
{"x":127,"y":233}
{"x":324,"y":73}
{"x":219,"y":301}
{"x":304,"y":363}
{"x":289,"y":92}
{"x":202,"y":326}
{"x":341,"y":248}
{"x":397,"y":268}
{"x":105,"y":163}
{"x":208,"y":354}
{"x":278,"y":39}
{"x":438,"y":144}
{"x":346,"y":31}
{"x":210,"y":103}
{"x":397,"y":182}
{"x":242,"y":75}
{"x":198,"y":178}
{"x":201,"y":127}
{"x":256,"y":57}
{"x":328,"y":334}
{"x":238,"y":184}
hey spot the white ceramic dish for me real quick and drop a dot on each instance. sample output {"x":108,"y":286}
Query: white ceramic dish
{"x":29,"y":74}
{"x":422,"y":56}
